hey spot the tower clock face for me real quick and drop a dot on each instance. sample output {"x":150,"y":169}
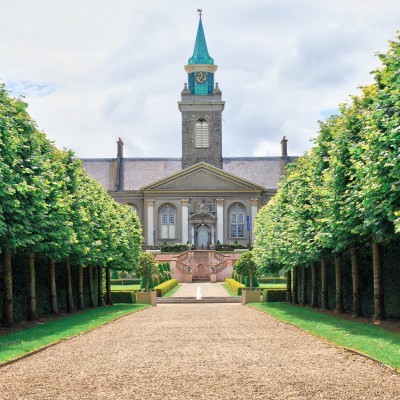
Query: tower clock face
{"x":201,"y":77}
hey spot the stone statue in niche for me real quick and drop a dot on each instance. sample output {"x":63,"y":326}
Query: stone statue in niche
{"x":202,"y":207}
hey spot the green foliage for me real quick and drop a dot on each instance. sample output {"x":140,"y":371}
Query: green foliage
{"x":146,"y":269}
{"x":234,"y":286}
{"x":274,"y":295}
{"x":254,"y":282}
{"x":175,"y":247}
{"x":50,"y":207}
{"x":123,"y":297}
{"x":247,"y":266}
{"x":164,"y":288}
{"x":347,"y":188}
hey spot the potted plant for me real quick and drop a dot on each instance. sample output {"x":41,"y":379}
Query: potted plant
{"x":146,"y":269}
{"x":246,"y":266}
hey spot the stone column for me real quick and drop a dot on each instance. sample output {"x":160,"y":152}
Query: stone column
{"x":212,"y":234}
{"x":185,"y":220}
{"x":192,"y":233}
{"x":150,"y":222}
{"x":254,"y":211}
{"x":220,"y":220}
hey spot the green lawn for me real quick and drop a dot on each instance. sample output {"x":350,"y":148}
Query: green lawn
{"x":273,"y":285}
{"x":124,"y":288}
{"x":24,"y":341}
{"x":371,"y":340}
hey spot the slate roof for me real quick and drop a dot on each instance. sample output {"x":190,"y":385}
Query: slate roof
{"x":140,"y":172}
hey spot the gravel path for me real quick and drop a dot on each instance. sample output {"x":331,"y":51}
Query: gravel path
{"x":207,"y":290}
{"x":197,"y":351}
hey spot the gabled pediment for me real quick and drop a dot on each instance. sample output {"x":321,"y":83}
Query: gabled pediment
{"x":202,"y":176}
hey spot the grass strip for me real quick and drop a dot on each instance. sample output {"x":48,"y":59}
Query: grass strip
{"x":372,"y":340}
{"x":20,"y":343}
{"x":172,"y":291}
{"x":273,"y":285}
{"x":124,"y":288}
{"x":231,"y":293}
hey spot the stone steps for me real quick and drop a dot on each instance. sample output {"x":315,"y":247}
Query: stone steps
{"x":193,"y":300}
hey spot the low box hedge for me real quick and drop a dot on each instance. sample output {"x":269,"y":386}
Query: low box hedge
{"x":123,"y":297}
{"x":274,"y":295}
{"x":235,"y":286}
{"x":135,"y":281}
{"x":272,"y":280}
{"x":165,"y":287}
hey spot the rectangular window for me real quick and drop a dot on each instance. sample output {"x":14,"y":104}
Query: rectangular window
{"x":233,"y":231}
{"x":240,"y":230}
{"x":164,"y":231}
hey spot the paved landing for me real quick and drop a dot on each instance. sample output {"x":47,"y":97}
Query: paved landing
{"x":207,"y":289}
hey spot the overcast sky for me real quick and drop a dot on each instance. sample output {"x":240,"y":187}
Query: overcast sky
{"x":96,"y":70}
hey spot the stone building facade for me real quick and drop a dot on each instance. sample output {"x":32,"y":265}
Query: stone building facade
{"x":202,"y":197}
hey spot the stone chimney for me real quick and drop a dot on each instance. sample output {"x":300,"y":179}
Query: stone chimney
{"x":119,"y":174}
{"x":284,"y":155}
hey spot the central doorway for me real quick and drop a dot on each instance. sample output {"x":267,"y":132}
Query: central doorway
{"x":202,"y":237}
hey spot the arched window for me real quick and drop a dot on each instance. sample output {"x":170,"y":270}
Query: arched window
{"x":202,"y":136}
{"x":167,"y":222}
{"x":237,"y":221}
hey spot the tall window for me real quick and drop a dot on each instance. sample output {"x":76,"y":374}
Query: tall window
{"x":237,"y":221}
{"x":167,"y":222}
{"x":202,"y":136}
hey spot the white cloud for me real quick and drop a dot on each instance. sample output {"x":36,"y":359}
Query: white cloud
{"x":93,"y":71}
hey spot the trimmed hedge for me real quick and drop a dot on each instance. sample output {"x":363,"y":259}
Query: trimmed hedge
{"x":272,"y":280}
{"x":123,"y":297}
{"x":165,"y":287}
{"x":235,"y":286}
{"x":125,"y":281}
{"x":274,"y":295}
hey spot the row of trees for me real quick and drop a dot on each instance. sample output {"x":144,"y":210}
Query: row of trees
{"x":343,"y":193}
{"x":50,"y":207}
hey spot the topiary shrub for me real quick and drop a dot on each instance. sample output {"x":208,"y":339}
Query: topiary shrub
{"x":235,"y":286}
{"x":274,"y":295}
{"x":123,"y":297}
{"x":146,"y":269}
{"x":254,"y":284}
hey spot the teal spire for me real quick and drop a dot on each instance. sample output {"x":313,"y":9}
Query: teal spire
{"x":200,"y":52}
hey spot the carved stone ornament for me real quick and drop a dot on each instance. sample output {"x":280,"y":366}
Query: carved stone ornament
{"x":254,"y":202}
{"x":220,"y":202}
{"x":202,"y":207}
{"x":213,"y":269}
{"x":150,"y":202}
{"x":189,"y":269}
{"x":185,"y":202}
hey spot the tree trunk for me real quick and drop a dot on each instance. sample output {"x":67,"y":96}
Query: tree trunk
{"x":91,"y":292}
{"x":355,"y":271}
{"x":303,"y":286}
{"x":324,"y":284}
{"x":339,"y":285}
{"x":314,"y":286}
{"x":81,"y":303}
{"x":32,"y":313}
{"x":379,"y":307}
{"x":68,"y":286}
{"x":108,"y":287}
{"x":289,"y":286}
{"x":8,"y":318}
{"x":295,"y":282}
{"x":100,"y":302}
{"x":53,"y":288}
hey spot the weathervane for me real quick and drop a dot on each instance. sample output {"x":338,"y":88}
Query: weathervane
{"x":199,"y":10}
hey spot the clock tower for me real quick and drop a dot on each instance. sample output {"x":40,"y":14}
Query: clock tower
{"x":201,"y":107}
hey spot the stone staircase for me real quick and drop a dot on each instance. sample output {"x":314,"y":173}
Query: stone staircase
{"x":193,"y":300}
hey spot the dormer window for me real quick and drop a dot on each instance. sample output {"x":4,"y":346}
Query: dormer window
{"x":202,"y":135}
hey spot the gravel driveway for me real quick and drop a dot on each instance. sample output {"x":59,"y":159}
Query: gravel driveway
{"x":197,"y":351}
